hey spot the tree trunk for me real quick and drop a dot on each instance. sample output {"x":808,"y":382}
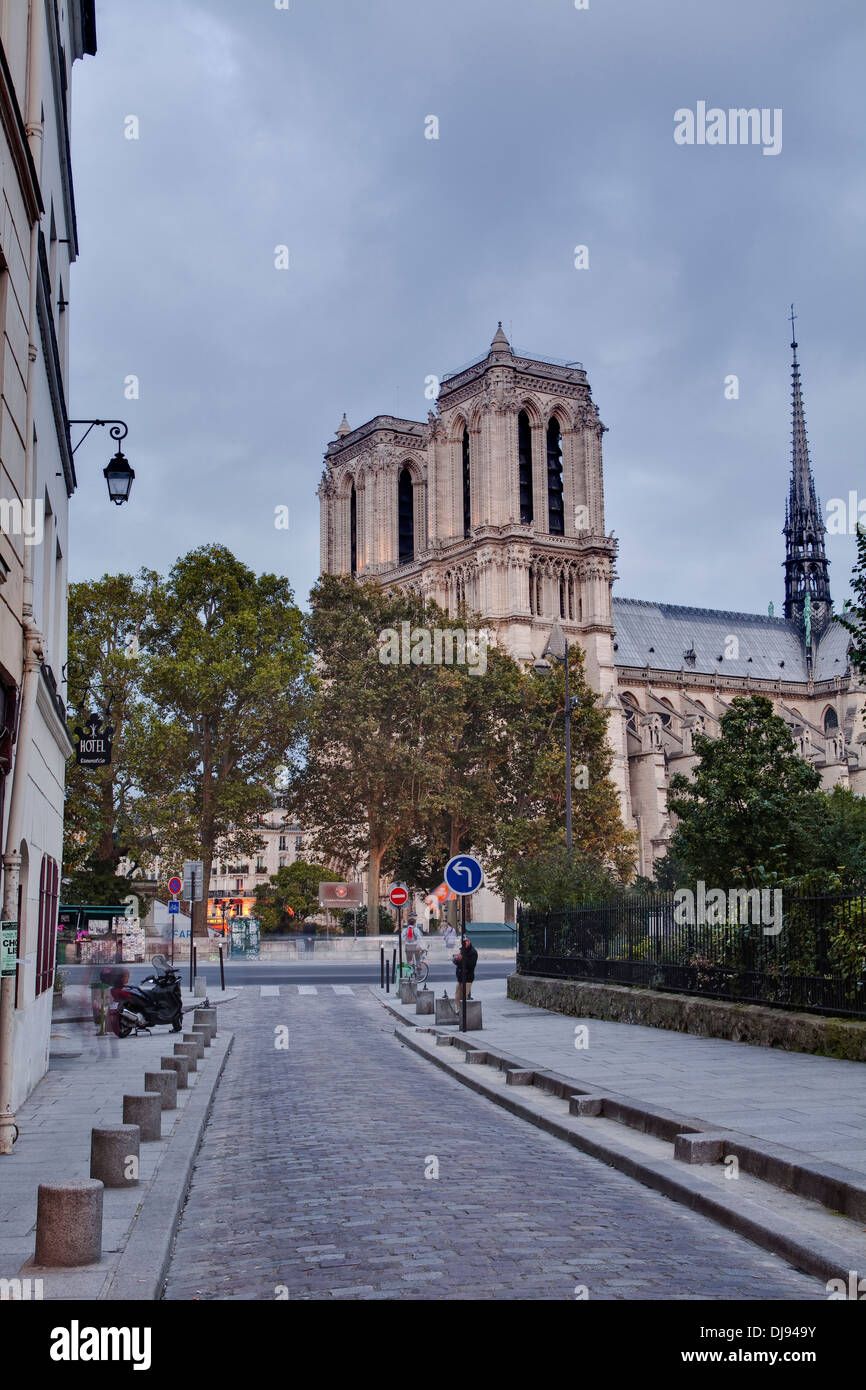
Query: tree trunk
{"x":106,"y":850}
{"x":374,"y":865}
{"x":199,"y":910}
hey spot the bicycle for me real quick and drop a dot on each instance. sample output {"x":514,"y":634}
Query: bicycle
{"x":417,"y":971}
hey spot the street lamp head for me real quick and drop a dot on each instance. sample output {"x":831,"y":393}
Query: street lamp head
{"x":119,"y":476}
{"x":542,"y":666}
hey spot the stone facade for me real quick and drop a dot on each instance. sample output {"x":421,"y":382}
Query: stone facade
{"x":497,"y":502}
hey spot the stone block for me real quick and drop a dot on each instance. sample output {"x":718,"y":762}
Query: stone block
{"x":199,"y":987}
{"x":473,"y":1015}
{"x":195,"y":1040}
{"x":165,"y":1085}
{"x":476,"y":1056}
{"x":408,"y":991}
{"x":111,"y":1148}
{"x":445,"y":1011}
{"x":586,"y":1105}
{"x":424,"y":1001}
{"x":698,"y":1148}
{"x":199,"y":1031}
{"x":146,"y":1112}
{"x":180,"y":1066}
{"x":206,"y":1017}
{"x":69,"y":1223}
{"x":191,"y":1051}
{"x":516,"y":1076}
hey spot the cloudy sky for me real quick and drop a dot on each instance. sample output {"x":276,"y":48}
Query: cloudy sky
{"x":305,"y":127}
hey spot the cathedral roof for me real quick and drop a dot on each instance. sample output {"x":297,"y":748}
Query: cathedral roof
{"x":664,"y":636}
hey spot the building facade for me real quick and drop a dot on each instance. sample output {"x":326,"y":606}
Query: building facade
{"x":497,"y":502}
{"x":39,"y":42}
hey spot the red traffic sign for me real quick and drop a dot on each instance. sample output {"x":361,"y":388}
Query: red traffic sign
{"x":174,"y":884}
{"x":398,"y":896}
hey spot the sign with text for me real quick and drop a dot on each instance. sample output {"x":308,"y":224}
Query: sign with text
{"x":8,"y":947}
{"x":93,"y":742}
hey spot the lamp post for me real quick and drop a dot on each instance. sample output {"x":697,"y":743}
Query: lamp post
{"x":557,"y":647}
{"x":117,"y":472}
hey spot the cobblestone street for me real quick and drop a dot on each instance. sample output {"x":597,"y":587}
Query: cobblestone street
{"x":311,"y":1180}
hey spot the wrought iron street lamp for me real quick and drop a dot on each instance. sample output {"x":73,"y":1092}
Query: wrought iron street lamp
{"x":557,"y":647}
{"x":117,"y":473}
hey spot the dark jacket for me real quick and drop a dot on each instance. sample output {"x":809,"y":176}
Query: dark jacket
{"x":471,"y":962}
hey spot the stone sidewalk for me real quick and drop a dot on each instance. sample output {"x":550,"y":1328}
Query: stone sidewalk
{"x":83,"y":1089}
{"x":814,"y":1104}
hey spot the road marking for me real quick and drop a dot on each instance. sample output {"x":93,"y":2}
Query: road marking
{"x":269,"y":989}
{"x":342,"y":989}
{"x":307,"y":989}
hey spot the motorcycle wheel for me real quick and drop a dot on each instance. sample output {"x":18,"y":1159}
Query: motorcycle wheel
{"x":123,"y":1028}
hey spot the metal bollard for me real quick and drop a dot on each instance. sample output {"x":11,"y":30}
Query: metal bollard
{"x":387,"y":977}
{"x":381,"y":967}
{"x":222,"y":972}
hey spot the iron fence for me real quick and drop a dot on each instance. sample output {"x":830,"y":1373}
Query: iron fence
{"x":792,"y":951}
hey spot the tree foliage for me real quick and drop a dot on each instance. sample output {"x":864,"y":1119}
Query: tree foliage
{"x":291,"y":895}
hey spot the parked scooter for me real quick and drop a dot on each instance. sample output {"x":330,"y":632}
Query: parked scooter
{"x":157,"y":999}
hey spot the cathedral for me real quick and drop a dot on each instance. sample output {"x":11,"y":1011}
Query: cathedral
{"x":497,"y":501}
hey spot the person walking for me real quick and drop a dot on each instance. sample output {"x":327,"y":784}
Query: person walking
{"x":449,"y":936}
{"x":465,"y":962}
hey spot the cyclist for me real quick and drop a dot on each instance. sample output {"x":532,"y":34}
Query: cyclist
{"x":413,"y":945}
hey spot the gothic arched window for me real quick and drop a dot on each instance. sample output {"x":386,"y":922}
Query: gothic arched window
{"x":353,"y":531}
{"x":467,"y":486}
{"x":555,"y":508}
{"x":405,"y":518}
{"x":831,"y":721}
{"x":524,"y":451}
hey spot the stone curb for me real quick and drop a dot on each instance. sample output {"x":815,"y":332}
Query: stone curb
{"x":773,"y":1233}
{"x":140,"y":1272}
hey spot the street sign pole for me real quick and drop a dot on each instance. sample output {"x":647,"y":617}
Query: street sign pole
{"x":463,"y":957}
{"x":400,"y":941}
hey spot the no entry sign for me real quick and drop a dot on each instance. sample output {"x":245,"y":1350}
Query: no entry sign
{"x":398,"y":896}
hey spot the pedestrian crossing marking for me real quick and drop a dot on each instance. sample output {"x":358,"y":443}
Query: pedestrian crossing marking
{"x":269,"y":989}
{"x":342,"y":989}
{"x":307,"y":989}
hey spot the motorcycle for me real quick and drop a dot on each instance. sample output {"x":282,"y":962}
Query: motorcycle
{"x":157,"y":999}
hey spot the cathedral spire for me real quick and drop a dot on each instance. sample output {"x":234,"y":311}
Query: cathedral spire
{"x":806,"y":574}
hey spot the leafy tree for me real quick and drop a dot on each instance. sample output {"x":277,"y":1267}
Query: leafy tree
{"x":106,"y":617}
{"x":97,"y":883}
{"x":291,"y":895}
{"x":377,"y":749}
{"x":748,"y":813}
{"x":558,"y":878}
{"x":226,"y":679}
{"x":855,"y":610}
{"x":531,"y":819}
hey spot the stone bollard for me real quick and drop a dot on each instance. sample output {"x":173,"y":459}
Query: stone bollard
{"x":445,"y":1011}
{"x":111,"y":1150}
{"x":69,"y":1223}
{"x":424,"y":1001}
{"x":165,"y":1085}
{"x":206,"y":1018}
{"x":195,"y":1040}
{"x":408,"y":991}
{"x":190,"y":1051}
{"x":180,"y":1066}
{"x":146,"y":1112}
{"x":473,"y":1015}
{"x":201,"y":1032}
{"x":199,"y":987}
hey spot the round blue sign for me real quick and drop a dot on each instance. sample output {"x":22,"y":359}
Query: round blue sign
{"x":463,"y":874}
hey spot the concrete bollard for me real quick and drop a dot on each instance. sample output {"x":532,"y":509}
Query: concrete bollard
{"x":445,"y":1011}
{"x":473,"y":1014}
{"x":424,"y":1001}
{"x":146,"y":1112}
{"x":199,"y":988}
{"x":206,"y":1018}
{"x":180,"y":1066}
{"x":190,"y":1051}
{"x":408,"y":991}
{"x":165,"y":1085}
{"x":195,"y":1040}
{"x":111,"y":1149}
{"x":201,"y":1032}
{"x":69,"y":1223}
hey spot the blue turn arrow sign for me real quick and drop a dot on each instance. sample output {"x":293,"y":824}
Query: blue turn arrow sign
{"x":464,"y":874}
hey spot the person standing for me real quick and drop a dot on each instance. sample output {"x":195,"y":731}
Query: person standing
{"x":465,"y":962}
{"x":449,"y":936}
{"x":412,"y":939}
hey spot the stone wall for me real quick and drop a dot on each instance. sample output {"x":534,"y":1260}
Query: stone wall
{"x":707,"y":1018}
